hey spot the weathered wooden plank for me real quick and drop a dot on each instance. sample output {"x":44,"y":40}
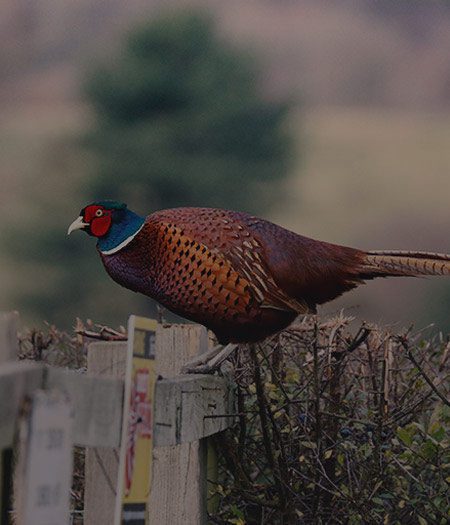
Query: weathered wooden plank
{"x":44,"y":470}
{"x":9,"y":322}
{"x":16,"y":381}
{"x":178,"y":492}
{"x":8,"y":352}
{"x":97,"y":405}
{"x":101,"y":467}
{"x":186,"y":405}
{"x":97,"y":401}
{"x":184,"y":410}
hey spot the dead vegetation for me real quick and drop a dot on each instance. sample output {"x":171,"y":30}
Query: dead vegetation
{"x":338,"y":428}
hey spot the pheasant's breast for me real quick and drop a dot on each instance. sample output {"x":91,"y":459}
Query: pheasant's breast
{"x":189,"y":276}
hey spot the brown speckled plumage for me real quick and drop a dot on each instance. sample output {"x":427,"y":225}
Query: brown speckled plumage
{"x":243,"y":277}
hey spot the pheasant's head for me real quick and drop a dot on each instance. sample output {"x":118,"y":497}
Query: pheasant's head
{"x":111,"y":222}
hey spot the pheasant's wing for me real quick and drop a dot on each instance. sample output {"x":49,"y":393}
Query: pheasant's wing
{"x":286,"y":271}
{"x":229,"y":251}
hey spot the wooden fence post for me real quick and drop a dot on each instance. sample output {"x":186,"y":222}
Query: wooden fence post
{"x":102,"y":464}
{"x":178,"y":492}
{"x":9,"y":322}
{"x":44,"y":468}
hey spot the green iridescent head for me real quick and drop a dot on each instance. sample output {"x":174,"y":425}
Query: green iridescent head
{"x":110,"y":221}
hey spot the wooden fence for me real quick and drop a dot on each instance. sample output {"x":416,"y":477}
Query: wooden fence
{"x":44,"y":411}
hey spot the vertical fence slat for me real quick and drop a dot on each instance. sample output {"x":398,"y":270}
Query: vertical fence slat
{"x":179,"y":485}
{"x":105,"y":359}
{"x":44,"y":468}
{"x":9,"y":322}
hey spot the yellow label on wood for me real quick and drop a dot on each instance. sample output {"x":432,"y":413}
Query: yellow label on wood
{"x":136,"y":451}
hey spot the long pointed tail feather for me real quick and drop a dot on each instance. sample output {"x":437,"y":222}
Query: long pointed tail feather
{"x":406,"y":263}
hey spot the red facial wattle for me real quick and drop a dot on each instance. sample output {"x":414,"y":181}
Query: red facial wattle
{"x":99,"y":220}
{"x":100,"y":225}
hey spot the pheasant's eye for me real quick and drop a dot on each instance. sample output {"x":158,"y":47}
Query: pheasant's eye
{"x":99,"y":213}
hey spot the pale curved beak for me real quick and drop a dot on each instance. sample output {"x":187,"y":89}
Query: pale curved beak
{"x":77,"y":224}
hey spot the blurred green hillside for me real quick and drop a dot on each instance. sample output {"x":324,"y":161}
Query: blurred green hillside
{"x":373,"y":136}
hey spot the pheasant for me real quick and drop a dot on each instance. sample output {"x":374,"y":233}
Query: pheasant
{"x":243,"y":277}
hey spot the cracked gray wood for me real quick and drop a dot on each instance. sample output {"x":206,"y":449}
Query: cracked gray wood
{"x":186,"y":407}
{"x":97,"y":404}
{"x":178,"y":494}
{"x":17,"y":380}
{"x":107,"y":360}
{"x":44,"y":468}
{"x":9,"y":322}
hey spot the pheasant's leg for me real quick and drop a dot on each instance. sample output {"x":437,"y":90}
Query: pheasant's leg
{"x":209,"y":361}
{"x":203,"y":358}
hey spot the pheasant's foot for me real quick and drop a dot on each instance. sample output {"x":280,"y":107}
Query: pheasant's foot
{"x":209,"y":361}
{"x":202,"y":358}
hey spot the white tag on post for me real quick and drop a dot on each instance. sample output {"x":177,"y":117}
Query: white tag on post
{"x":44,"y":470}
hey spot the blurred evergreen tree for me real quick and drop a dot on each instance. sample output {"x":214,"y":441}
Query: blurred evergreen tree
{"x":181,"y":121}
